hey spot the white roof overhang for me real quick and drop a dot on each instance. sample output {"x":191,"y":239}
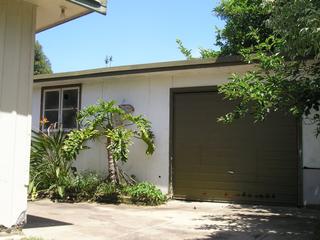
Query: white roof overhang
{"x":51,"y":13}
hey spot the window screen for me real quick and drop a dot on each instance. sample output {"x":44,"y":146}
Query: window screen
{"x":60,"y":106}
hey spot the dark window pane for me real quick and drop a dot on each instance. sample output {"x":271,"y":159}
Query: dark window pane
{"x":69,"y":118}
{"x":52,"y":100}
{"x":70,"y":98}
{"x":51,"y":117}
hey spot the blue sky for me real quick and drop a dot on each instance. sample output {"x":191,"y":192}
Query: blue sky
{"x":133,"y":32}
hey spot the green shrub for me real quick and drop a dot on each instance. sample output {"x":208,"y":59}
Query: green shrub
{"x":51,"y":173}
{"x":85,"y":185}
{"x":81,"y":187}
{"x":50,"y":168}
{"x":145,"y":193}
{"x":107,"y":193}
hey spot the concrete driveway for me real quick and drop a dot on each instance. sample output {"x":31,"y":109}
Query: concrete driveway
{"x":175,"y":220}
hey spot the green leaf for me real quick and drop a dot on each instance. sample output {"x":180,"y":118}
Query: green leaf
{"x":61,"y":191}
{"x":31,"y":187}
{"x":57,"y":172}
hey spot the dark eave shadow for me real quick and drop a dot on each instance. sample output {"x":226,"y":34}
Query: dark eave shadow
{"x":39,"y":222}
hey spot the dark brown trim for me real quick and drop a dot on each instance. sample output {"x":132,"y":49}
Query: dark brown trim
{"x":214,"y":88}
{"x":171,"y":120}
{"x":94,"y":5}
{"x":300,"y":162}
{"x":56,"y":87}
{"x":219,"y":62}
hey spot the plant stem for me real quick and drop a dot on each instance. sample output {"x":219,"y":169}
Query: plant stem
{"x":111,"y":164}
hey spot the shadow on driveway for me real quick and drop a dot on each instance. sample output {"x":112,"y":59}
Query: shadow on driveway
{"x":250,"y":222}
{"x":38,"y":222}
{"x":176,"y":220}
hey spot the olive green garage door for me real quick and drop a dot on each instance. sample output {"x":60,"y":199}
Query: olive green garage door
{"x":247,"y":162}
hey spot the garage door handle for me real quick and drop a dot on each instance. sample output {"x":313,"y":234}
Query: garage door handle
{"x":231,"y":172}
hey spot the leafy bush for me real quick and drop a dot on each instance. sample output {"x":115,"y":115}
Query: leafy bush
{"x":145,"y":193}
{"x":107,"y":193}
{"x":50,"y":168}
{"x":51,"y":175}
{"x":85,"y":185}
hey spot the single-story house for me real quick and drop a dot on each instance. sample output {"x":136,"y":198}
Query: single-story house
{"x":274,"y":162}
{"x":20,"y":20}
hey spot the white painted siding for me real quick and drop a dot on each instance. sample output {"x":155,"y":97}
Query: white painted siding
{"x":150,"y":95}
{"x":311,"y":164}
{"x":17,"y":28}
{"x":36,"y":102}
{"x":311,"y":146}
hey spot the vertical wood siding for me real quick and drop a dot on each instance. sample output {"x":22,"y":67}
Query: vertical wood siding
{"x":17,"y":29}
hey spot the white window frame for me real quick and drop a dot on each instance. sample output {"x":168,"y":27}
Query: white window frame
{"x":60,"y":109}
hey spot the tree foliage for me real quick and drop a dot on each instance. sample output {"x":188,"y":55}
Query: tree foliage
{"x":282,"y":39}
{"x":109,"y":121}
{"x":298,"y":24}
{"x":185,"y":51}
{"x":42,"y":64}
{"x":244,"y":20}
{"x":286,"y":76}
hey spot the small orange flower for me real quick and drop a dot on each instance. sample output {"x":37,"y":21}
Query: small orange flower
{"x":44,"y":120}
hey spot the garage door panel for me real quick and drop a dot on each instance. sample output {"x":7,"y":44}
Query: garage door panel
{"x":217,"y":161}
{"x":278,"y":174}
{"x":214,"y":177}
{"x":265,"y":163}
{"x":277,"y":142}
{"x":218,"y":164}
{"x":238,"y":196}
{"x":247,"y":187}
{"x":227,"y":171}
{"x":263,"y":181}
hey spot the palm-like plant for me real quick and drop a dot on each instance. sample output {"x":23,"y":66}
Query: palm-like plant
{"x":107,"y":120}
{"x":50,"y":166}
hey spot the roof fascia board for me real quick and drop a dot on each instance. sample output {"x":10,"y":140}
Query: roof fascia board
{"x":99,"y":6}
{"x":140,"y":69}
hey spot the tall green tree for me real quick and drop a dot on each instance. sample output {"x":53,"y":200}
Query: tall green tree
{"x":286,"y":76}
{"x":244,"y":21}
{"x":282,"y":39}
{"x":42,"y":64}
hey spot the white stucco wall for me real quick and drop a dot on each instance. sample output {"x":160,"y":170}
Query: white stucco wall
{"x":17,"y":29}
{"x":311,"y":164}
{"x":150,"y":95}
